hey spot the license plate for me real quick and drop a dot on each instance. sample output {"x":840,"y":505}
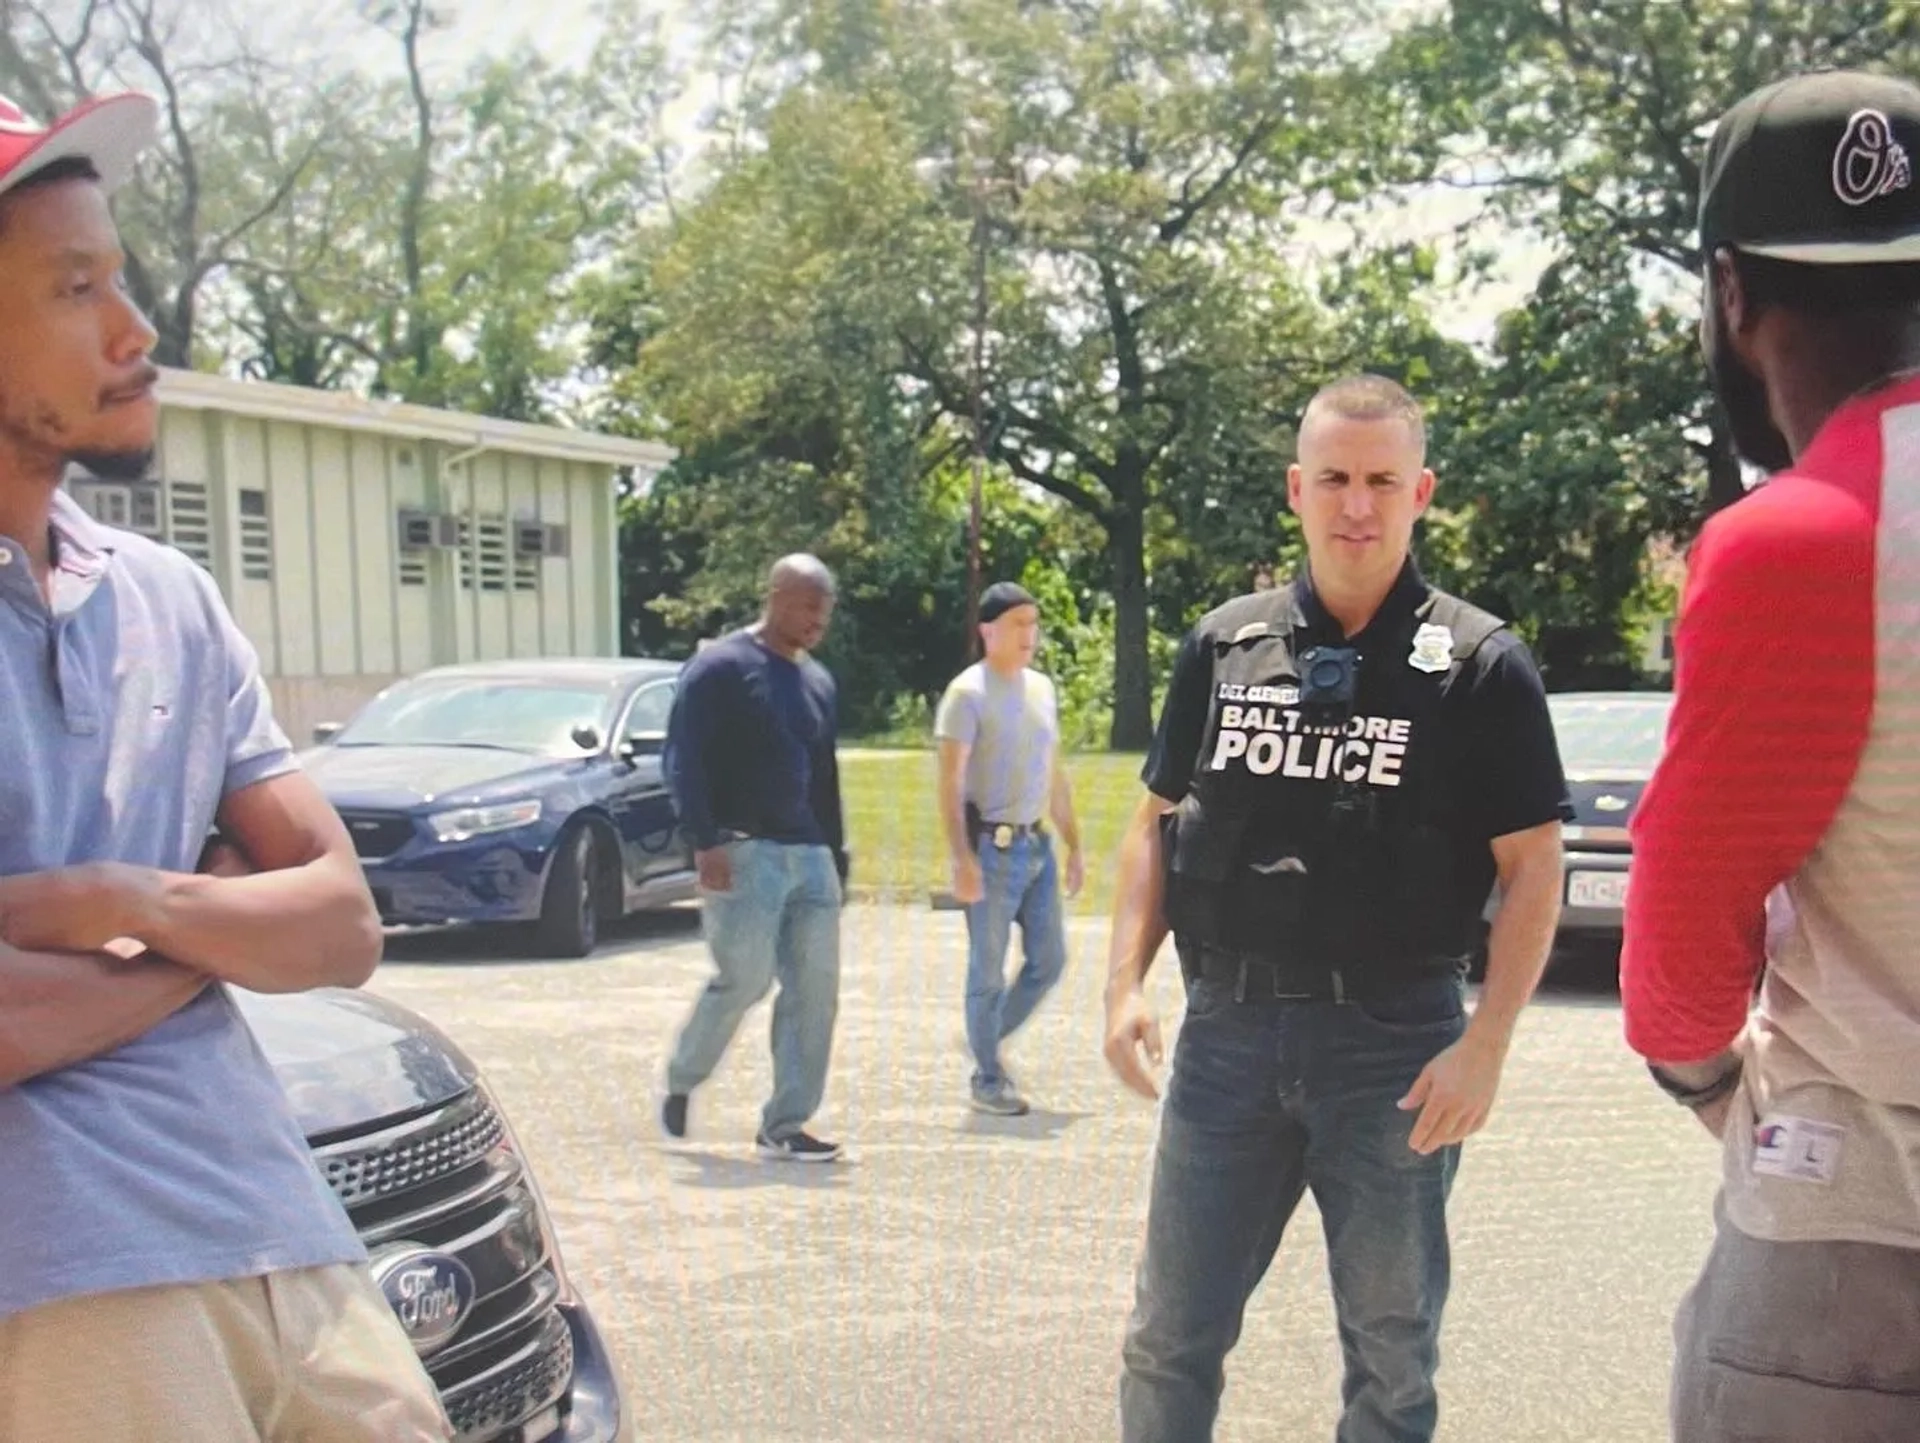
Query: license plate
{"x":1597,"y":889}
{"x":541,"y":1425}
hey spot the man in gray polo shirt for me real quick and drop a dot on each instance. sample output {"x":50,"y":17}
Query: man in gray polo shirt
{"x":171,"y":1264}
{"x":1000,"y":778}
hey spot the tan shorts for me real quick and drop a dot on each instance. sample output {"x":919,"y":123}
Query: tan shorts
{"x":314,"y":1356}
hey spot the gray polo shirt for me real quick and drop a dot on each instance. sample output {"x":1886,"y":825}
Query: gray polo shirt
{"x":127,"y":712}
{"x":1012,"y":725}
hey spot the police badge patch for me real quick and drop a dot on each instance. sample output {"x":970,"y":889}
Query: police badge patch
{"x":1432,"y":648}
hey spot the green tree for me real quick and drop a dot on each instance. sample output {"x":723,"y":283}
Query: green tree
{"x":1586,"y":124}
{"x":1570,"y":455}
{"x":436,"y":256}
{"x":190,"y":210}
{"x":1124,"y":176}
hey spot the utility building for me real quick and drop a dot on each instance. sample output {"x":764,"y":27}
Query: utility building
{"x":360,"y":541}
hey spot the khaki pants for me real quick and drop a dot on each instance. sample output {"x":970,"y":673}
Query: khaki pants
{"x":313,"y":1356}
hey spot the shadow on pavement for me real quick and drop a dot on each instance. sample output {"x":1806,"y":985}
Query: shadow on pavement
{"x":734,"y":1173}
{"x":1039,"y":1125}
{"x":643,"y":932}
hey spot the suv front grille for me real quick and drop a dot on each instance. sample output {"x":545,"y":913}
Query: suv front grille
{"x":378,"y":834}
{"x":529,"y":1376}
{"x":446,"y":1180}
{"x":412,"y":1154}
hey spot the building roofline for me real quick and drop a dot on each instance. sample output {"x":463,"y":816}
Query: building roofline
{"x":271,"y":401}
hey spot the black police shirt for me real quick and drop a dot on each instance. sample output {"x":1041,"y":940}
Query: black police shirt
{"x":1496,"y":751}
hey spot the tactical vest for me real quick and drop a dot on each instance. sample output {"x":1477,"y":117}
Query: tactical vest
{"x":1350,"y":882}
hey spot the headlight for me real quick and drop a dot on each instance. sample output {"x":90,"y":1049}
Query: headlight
{"x":544,"y":1215}
{"x":468,"y":822}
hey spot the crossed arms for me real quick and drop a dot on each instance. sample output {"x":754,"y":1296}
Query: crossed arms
{"x":93,"y":956}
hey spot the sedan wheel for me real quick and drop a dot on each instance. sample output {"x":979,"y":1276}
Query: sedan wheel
{"x":570,"y":909}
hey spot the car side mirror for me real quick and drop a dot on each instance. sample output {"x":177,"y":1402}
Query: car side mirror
{"x":326,"y":732}
{"x":643,"y":744}
{"x":586,"y":736}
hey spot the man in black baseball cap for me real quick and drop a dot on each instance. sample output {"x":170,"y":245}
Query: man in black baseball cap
{"x":1001,"y":782}
{"x":1779,"y":838}
{"x":1810,"y":209}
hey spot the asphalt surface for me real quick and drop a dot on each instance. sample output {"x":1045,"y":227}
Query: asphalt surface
{"x":961,"y":1279}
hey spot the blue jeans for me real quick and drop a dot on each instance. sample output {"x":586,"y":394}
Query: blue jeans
{"x":1021,"y":884}
{"x":782,"y":919}
{"x":1267,"y":1099}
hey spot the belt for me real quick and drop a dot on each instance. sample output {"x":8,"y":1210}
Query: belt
{"x":1256,"y":978}
{"x":1004,"y":834}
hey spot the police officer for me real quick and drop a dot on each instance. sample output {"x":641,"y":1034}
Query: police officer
{"x":1342,"y":769}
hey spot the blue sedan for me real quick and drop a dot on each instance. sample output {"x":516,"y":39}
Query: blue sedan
{"x":513,"y":791}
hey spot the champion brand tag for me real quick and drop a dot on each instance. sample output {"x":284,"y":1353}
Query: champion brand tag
{"x":1432,"y":648}
{"x":1797,"y":1148}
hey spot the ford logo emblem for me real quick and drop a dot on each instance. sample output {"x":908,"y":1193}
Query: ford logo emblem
{"x":431,"y":1294}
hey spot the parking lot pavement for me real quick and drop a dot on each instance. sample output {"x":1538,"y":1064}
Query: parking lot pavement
{"x":963,"y":1278}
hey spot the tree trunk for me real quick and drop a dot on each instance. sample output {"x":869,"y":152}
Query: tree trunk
{"x":172,"y":348}
{"x":1132,"y":675}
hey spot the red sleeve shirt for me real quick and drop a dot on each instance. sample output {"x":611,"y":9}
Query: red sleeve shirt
{"x":1773,"y":698}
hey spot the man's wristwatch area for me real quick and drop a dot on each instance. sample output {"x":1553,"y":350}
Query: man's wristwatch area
{"x":1697,"y":1095}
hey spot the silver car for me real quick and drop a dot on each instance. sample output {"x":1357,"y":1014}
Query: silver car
{"x":1609,"y":744}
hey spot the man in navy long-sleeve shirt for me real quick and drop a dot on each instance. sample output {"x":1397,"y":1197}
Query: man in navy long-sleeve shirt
{"x":751,"y":764}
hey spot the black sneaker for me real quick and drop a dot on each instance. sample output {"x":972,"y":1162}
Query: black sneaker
{"x":798,"y":1147}
{"x":673,"y":1114}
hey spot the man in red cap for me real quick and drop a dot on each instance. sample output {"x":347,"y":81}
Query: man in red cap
{"x":172,"y":1265}
{"x":1780,"y":838}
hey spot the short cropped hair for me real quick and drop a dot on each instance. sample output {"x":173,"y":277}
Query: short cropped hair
{"x":1369,"y":397}
{"x":73,"y":167}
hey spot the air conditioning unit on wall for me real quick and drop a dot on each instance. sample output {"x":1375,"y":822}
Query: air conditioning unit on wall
{"x":428,"y":531}
{"x":130,"y":505}
{"x":538,"y":538}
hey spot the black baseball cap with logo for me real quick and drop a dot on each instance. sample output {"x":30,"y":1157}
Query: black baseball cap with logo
{"x":1818,"y":168}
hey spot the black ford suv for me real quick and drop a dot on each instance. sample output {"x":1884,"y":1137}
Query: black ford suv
{"x":420,"y":1154}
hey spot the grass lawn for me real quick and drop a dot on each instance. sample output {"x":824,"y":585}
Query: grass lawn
{"x":894,"y":828}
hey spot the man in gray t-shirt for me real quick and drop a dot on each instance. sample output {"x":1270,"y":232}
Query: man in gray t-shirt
{"x":172,"y":1264}
{"x":1000,"y":780}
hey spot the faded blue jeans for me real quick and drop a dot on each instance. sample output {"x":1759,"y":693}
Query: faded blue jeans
{"x":1266,"y":1100}
{"x":781,"y":920}
{"x":1021,"y":884}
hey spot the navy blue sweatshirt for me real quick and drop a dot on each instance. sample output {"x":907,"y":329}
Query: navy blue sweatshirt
{"x":750,"y":747}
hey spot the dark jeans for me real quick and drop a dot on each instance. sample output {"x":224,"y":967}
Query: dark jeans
{"x":1267,"y":1099}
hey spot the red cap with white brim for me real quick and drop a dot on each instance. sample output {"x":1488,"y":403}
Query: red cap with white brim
{"x":110,"y":131}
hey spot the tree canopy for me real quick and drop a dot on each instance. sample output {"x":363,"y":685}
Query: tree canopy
{"x":1116,"y":244}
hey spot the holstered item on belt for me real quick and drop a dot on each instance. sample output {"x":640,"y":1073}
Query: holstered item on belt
{"x":1003,"y":834}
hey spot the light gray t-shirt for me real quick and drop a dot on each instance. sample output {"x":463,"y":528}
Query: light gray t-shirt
{"x":127,"y":712}
{"x":1012,"y":725}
